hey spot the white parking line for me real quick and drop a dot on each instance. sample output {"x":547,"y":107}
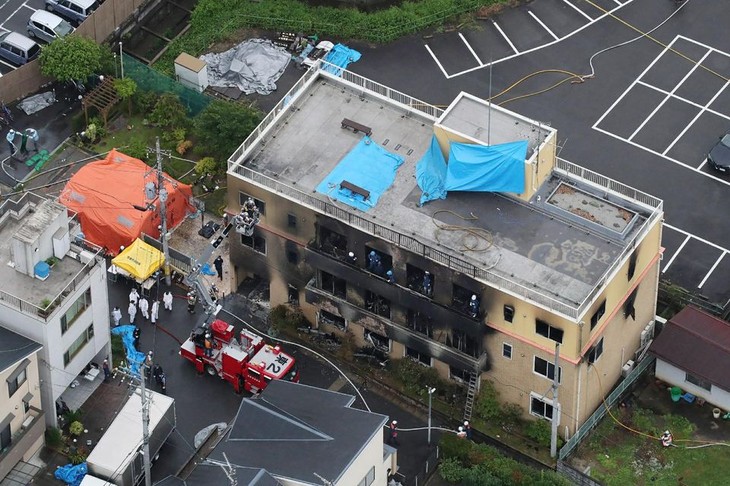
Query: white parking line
{"x":590,"y":19}
{"x":505,"y":37}
{"x":696,"y":117}
{"x":468,"y":46}
{"x":617,"y":2}
{"x":702,"y":164}
{"x":669,"y":95}
{"x":717,"y":262}
{"x":436,"y":61}
{"x":685,"y":100}
{"x":29,"y":7}
{"x":542,"y":24}
{"x":669,"y":263}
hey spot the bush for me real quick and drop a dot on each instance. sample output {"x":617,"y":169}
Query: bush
{"x":487,"y":405}
{"x":54,"y":437}
{"x":539,"y":431}
{"x":455,"y":448}
{"x":77,"y":457}
{"x":222,"y":126}
{"x":206,"y":165}
{"x":76,"y":428}
{"x":169,"y":112}
{"x":511,"y":414}
{"x":452,"y":470}
{"x":144,"y":101}
{"x":415,"y":377}
{"x":282,"y":317}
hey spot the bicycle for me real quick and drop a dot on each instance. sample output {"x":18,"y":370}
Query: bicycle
{"x":5,"y":114}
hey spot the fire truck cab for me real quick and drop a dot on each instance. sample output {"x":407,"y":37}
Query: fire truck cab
{"x":248,"y":363}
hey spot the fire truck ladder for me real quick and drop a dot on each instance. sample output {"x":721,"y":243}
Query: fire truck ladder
{"x":471,"y":395}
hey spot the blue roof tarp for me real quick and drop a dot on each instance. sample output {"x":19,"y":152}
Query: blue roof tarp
{"x":340,"y":56}
{"x":368,"y":166}
{"x":431,"y":173}
{"x":134,"y":357}
{"x":494,"y":168}
{"x":70,"y":474}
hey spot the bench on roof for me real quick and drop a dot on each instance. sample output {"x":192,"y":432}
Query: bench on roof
{"x":355,"y":189}
{"x":356,"y":127}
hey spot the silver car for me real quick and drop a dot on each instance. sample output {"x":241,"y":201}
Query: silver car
{"x":47,"y":26}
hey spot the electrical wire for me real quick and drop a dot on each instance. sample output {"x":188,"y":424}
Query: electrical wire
{"x":305,"y":348}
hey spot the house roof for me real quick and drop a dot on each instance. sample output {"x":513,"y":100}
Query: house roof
{"x":215,"y":475}
{"x":14,"y":347}
{"x":290,"y":428}
{"x":698,"y":343}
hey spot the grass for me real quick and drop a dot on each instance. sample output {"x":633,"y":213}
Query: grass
{"x":617,"y":456}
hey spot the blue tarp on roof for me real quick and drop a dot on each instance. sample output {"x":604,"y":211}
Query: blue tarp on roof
{"x":431,"y":173}
{"x":341,"y":56}
{"x":369,"y":166}
{"x":495,"y":168}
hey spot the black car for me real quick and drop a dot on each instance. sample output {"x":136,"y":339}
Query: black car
{"x":719,"y":156}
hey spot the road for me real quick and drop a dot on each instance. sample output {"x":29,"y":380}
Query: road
{"x":647,"y":118}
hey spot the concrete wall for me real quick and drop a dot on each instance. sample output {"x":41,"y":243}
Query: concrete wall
{"x":370,"y":456}
{"x":677,"y":377}
{"x":100,"y":25}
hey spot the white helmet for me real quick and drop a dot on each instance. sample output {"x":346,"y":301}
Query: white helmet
{"x":461,"y":429}
{"x":351,"y":254}
{"x":474,"y":297}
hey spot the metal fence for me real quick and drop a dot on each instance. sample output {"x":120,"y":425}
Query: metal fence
{"x":428,"y":468}
{"x":610,"y":400}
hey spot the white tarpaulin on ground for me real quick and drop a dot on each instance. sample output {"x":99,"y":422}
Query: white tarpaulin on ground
{"x":252,"y":66}
{"x":37,"y":102}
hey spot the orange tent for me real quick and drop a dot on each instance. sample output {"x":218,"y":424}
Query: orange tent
{"x":104,"y":194}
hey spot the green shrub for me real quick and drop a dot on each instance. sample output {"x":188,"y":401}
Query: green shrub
{"x":169,"y":112}
{"x":206,"y":165}
{"x":539,"y":431}
{"x":72,"y":416}
{"x":487,"y":406}
{"x":54,"y":437}
{"x":222,"y":126}
{"x":282,"y":317}
{"x":138,"y":149}
{"x":452,"y":470}
{"x":455,"y":448}
{"x":511,"y":414}
{"x":144,"y":101}
{"x":76,"y":428}
{"x":415,"y":377}
{"x":77,"y":457}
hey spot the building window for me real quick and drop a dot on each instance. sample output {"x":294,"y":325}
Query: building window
{"x":334,"y":285}
{"x":596,"y":351}
{"x":5,"y":437}
{"x":629,"y":309}
{"x":632,"y":264}
{"x":19,"y":376}
{"x":459,"y":375}
{"x":377,"y":304}
{"x":550,"y":332}
{"x":378,"y":341}
{"x":369,"y":478}
{"x":332,"y":242}
{"x":330,"y":319}
{"x":507,"y":350}
{"x":509,"y":313}
{"x":463,"y":342}
{"x":461,"y":297}
{"x":78,"y":345}
{"x":697,"y":381}
{"x":260,"y":205}
{"x":257,"y":242}
{"x":291,"y":220}
{"x":292,"y":256}
{"x":76,"y":309}
{"x":293,"y":295}
{"x":598,"y":314}
{"x":541,"y":406}
{"x":420,"y":323}
{"x":418,"y":356}
{"x":26,"y":405}
{"x":547,"y":369}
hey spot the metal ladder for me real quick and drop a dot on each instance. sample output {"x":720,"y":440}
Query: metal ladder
{"x":471,"y":395}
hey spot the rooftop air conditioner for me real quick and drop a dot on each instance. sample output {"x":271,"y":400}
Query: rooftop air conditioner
{"x":627,"y":368}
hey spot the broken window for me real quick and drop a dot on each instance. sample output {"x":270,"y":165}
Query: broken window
{"x":420,"y":323}
{"x":333,"y":242}
{"x":334,"y":285}
{"x":377,"y":304}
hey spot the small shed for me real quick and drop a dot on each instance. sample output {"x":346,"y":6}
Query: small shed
{"x":191,"y":72}
{"x":693,"y":353}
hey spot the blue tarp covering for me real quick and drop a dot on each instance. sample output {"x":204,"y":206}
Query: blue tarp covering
{"x":71,"y":474}
{"x":496,"y":168}
{"x":341,"y":56}
{"x":134,"y":357}
{"x":431,"y":173}
{"x":369,"y":166}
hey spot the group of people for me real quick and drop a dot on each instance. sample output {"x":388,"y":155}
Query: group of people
{"x":150,"y":312}
{"x":26,"y":135}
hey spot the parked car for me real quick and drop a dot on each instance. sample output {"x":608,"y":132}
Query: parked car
{"x":47,"y":26}
{"x":719,"y":156}
{"x":75,"y":11}
{"x":17,"y":48}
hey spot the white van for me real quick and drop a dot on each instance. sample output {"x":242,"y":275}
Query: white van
{"x":47,"y":26}
{"x":17,"y":48}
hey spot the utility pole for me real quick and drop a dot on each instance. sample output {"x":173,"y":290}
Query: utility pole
{"x":162,"y":198}
{"x":430,"y":394}
{"x":147,"y":460}
{"x":556,"y":405}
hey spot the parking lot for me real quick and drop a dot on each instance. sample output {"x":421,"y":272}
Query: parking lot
{"x":14,"y":15}
{"x":514,"y":33}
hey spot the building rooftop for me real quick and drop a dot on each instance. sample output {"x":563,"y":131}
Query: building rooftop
{"x":698,"y":343}
{"x":25,"y":220}
{"x":14,"y":347}
{"x":555,"y":249}
{"x":284,"y":433}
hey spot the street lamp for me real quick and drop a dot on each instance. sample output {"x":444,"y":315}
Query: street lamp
{"x":430,"y":395}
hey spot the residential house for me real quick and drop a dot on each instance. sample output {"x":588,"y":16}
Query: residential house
{"x":21,"y":417}
{"x":53,"y":290}
{"x":570,"y":260}
{"x":693,"y":353}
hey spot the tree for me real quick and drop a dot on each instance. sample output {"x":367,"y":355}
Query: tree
{"x":71,"y":58}
{"x":169,"y":112}
{"x":222,"y":126}
{"x":125,"y":88}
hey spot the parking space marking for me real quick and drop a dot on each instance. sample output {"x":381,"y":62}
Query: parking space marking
{"x":543,"y":24}
{"x":468,"y":46}
{"x":694,"y":120}
{"x":717,"y":262}
{"x":29,"y":7}
{"x":436,"y":61}
{"x":505,"y":37}
{"x":7,"y":64}
{"x":684,"y":100}
{"x":590,"y":19}
{"x":669,"y":263}
{"x":702,"y":164}
{"x":669,"y":95}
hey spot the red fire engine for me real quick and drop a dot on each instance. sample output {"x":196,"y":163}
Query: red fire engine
{"x":248,"y":364}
